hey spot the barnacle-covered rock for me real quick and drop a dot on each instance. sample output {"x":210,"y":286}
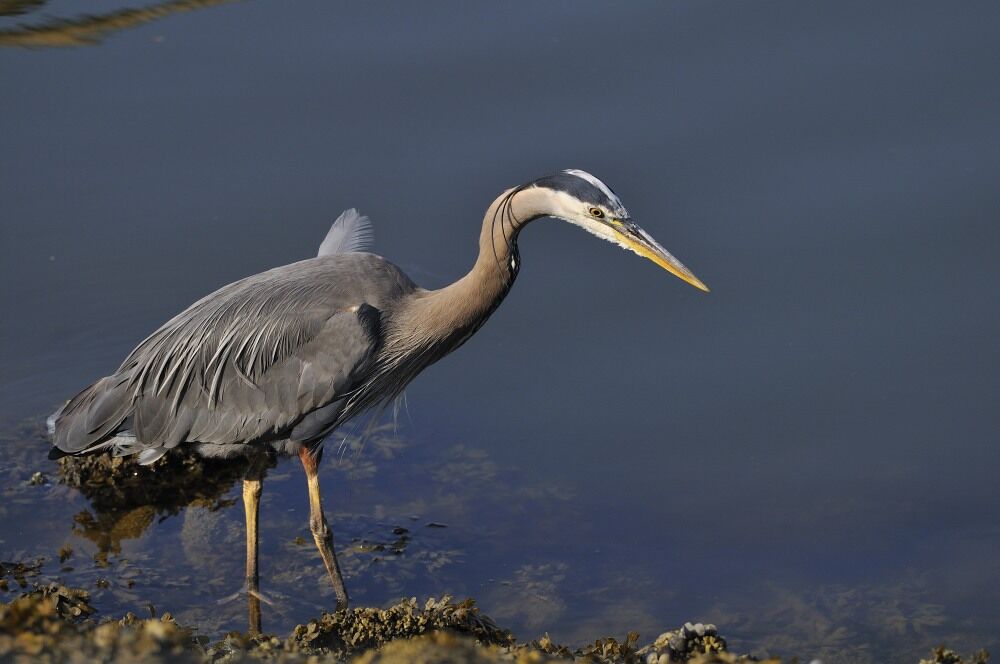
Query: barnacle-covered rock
{"x":683,"y":643}
{"x":696,"y":643}
{"x":942,"y":655}
{"x":52,"y":624}
{"x":357,"y":630}
{"x":449,"y":648}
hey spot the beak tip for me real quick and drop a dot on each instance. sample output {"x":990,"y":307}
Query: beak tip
{"x":696,"y":282}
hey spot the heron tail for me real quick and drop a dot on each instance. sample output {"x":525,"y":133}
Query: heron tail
{"x":89,"y":419}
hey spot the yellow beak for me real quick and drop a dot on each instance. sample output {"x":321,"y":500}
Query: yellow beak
{"x":639,"y":241}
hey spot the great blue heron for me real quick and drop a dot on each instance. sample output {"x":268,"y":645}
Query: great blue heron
{"x":280,"y":359}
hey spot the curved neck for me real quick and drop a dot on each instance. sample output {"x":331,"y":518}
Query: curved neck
{"x":459,"y":309}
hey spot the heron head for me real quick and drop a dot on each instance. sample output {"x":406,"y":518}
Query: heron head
{"x":580,"y":198}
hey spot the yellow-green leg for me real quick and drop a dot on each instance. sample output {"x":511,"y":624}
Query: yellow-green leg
{"x":252,"y":486}
{"x":320,"y":530}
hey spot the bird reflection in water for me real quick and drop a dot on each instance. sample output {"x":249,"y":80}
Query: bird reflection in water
{"x":126,"y":497}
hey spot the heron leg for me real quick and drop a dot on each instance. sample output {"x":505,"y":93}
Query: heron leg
{"x":320,"y":530}
{"x":252,"y":486}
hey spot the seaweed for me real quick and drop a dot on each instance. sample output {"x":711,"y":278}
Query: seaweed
{"x":52,"y":623}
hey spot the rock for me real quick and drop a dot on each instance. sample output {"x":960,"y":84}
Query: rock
{"x":52,"y":623}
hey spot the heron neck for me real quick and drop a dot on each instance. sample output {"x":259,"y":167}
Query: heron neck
{"x":459,"y":309}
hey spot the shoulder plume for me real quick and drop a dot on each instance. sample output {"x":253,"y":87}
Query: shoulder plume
{"x":351,"y":232}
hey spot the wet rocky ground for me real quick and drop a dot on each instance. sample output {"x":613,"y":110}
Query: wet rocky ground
{"x":52,"y":623}
{"x":45,"y":614}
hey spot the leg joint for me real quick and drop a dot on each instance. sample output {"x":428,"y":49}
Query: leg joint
{"x":317,"y":524}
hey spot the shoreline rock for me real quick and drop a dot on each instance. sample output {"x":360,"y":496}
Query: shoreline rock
{"x":53,"y":623}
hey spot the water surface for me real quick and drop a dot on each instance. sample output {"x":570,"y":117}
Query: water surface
{"x":807,"y":456}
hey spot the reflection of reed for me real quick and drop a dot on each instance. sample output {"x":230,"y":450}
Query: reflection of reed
{"x":89,"y":30}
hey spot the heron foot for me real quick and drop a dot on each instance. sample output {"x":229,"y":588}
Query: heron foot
{"x":244,"y":593}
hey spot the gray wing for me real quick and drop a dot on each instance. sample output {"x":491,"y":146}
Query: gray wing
{"x":249,"y":362}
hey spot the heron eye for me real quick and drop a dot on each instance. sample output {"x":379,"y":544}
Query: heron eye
{"x":596,"y":212}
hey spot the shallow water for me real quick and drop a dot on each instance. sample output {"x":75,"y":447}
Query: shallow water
{"x":807,"y":456}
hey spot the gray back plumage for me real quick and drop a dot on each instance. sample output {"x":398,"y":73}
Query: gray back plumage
{"x":271,"y":356}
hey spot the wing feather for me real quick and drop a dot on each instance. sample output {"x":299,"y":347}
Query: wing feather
{"x":245,"y":363}
{"x":351,"y":232}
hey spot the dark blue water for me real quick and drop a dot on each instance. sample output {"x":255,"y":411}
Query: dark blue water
{"x":807,"y":456}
